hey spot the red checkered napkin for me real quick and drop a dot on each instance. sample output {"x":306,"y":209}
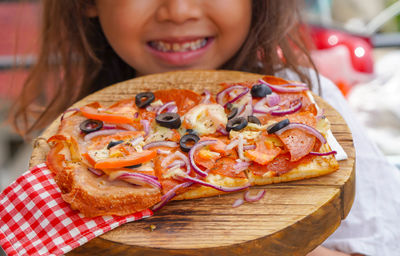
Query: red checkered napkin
{"x":35,"y":220}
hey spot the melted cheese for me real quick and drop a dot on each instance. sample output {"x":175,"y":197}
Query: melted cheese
{"x":206,"y":118}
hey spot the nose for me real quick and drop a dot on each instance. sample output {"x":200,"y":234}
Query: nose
{"x":179,"y":11}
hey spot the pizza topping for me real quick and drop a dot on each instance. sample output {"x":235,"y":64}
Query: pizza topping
{"x":115,"y":115}
{"x":235,"y":93}
{"x":238,"y":202}
{"x":170,"y":194}
{"x":323,"y":153}
{"x":289,"y":87}
{"x":132,"y":159}
{"x":205,"y":118}
{"x":305,"y":128}
{"x":96,"y":172}
{"x":278,"y":126}
{"x":144,"y":99}
{"x":67,"y":111}
{"x":169,"y":120}
{"x":260,"y":90}
{"x":192,"y":152}
{"x":261,"y":108}
{"x":254,"y":120}
{"x":90,"y":125}
{"x":139,"y":179}
{"x":114,"y":143}
{"x":192,"y":138}
{"x":255,"y":198}
{"x":169,"y":107}
{"x":236,"y":124}
{"x":133,"y":166}
{"x":233,"y":111}
{"x":214,"y":186}
{"x":294,"y":107}
{"x":156,"y":144}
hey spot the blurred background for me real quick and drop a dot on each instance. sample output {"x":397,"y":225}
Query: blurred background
{"x":360,"y":38}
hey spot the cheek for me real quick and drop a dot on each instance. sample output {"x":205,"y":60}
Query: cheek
{"x":234,"y":30}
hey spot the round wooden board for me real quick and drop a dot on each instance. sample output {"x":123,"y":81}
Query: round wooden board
{"x":291,"y":219}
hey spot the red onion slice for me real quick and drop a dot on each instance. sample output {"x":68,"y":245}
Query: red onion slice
{"x":69,"y":110}
{"x":169,"y":106}
{"x":96,"y":172}
{"x":273,"y":99}
{"x":323,"y":153}
{"x":176,"y":163}
{"x":255,"y":198}
{"x":109,"y":126}
{"x":193,"y":150}
{"x":146,"y":126}
{"x":284,"y":88}
{"x":207,"y":96}
{"x":240,"y":166}
{"x":163,"y":152}
{"x":221,"y":95}
{"x":248,"y":110}
{"x":238,"y":202}
{"x":296,"y":106}
{"x":139,"y":179}
{"x":217,"y":187}
{"x":92,"y":135}
{"x":169,"y":195}
{"x":127,"y":127}
{"x":304,"y":127}
{"x":169,"y":144}
{"x":185,"y":159}
{"x":260,"y":107}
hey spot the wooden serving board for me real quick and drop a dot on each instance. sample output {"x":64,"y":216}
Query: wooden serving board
{"x":291,"y":219}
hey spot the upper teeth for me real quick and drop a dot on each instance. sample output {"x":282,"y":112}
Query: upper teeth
{"x":178,"y":47}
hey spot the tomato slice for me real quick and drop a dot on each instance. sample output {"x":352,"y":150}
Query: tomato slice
{"x":264,"y":153}
{"x":132,"y":159}
{"x":111,"y":116}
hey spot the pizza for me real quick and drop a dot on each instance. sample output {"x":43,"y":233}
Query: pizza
{"x":177,"y":144}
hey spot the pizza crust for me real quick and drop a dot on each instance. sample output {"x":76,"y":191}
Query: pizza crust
{"x":94,"y":196}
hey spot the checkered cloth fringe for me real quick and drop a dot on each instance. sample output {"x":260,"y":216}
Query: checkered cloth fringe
{"x":35,"y":220}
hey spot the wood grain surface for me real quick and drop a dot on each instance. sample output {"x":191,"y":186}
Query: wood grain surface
{"x":291,"y":219}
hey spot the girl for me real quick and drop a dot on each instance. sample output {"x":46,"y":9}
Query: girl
{"x":87,"y":45}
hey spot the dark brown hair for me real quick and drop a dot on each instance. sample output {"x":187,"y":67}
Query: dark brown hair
{"x":75,"y":59}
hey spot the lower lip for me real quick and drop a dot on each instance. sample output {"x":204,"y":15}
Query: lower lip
{"x":181,"y":58}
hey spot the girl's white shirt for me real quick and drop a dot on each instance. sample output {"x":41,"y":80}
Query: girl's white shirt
{"x":373,"y":224}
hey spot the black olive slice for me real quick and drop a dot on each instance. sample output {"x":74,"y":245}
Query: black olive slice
{"x":233,"y":112}
{"x":133,"y":166}
{"x":144,"y":99}
{"x":191,"y":131}
{"x":236,"y":124}
{"x":279,"y":125}
{"x":188,"y":138}
{"x":260,"y":90}
{"x":169,"y":120}
{"x":254,"y":120}
{"x":91,"y":125}
{"x":114,"y":143}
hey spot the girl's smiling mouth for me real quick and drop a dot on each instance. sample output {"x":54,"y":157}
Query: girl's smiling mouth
{"x":180,"y":52}
{"x":169,"y":46}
